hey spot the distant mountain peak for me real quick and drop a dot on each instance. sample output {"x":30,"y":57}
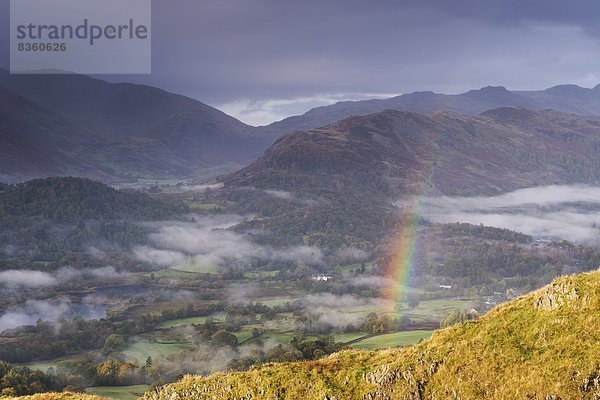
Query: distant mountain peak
{"x":419,"y":94}
{"x":508,"y":111}
{"x":492,"y":89}
{"x":495,"y":94}
{"x":567,"y":89}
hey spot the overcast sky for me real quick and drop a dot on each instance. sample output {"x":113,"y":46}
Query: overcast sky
{"x":262,"y":60}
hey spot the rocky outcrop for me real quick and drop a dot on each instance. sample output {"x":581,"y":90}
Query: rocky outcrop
{"x":558,"y":295}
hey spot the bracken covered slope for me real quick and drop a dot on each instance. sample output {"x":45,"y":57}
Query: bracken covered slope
{"x":545,"y":345}
{"x":393,"y":151}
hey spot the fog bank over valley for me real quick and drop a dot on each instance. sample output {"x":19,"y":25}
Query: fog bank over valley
{"x":553,"y":212}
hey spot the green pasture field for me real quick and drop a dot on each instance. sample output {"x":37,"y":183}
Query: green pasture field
{"x":392,"y":340}
{"x":188,"y":321}
{"x":142,"y":350}
{"x":118,"y":392}
{"x":197,"y":268}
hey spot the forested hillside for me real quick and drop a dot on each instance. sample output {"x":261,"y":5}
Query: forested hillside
{"x":76,"y":199}
{"x":55,"y":221}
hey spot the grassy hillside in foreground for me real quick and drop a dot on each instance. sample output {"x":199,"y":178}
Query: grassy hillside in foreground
{"x":541,"y":346}
{"x":58,"y":396}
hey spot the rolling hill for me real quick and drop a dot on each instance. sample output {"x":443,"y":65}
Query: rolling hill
{"x":541,"y":346}
{"x":395,"y":152}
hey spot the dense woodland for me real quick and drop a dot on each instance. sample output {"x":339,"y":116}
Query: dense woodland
{"x":330,"y":217}
{"x":71,"y":200}
{"x":475,"y":259}
{"x":55,"y":221}
{"x":21,"y":381}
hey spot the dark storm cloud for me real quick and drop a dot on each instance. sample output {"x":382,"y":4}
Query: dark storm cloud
{"x":263,"y":59}
{"x":513,"y":12}
{"x":266,"y":49}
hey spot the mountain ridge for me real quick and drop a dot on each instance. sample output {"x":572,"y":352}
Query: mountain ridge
{"x":582,"y":101}
{"x":124,"y":131}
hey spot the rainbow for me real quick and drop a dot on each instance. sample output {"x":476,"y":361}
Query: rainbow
{"x":401,"y":264}
{"x":405,"y":242}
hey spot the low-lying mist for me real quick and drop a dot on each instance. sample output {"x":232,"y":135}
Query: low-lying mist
{"x":555,"y":212}
{"x":207,"y":242}
{"x":15,"y":279}
{"x":52,"y":310}
{"x":340,"y":311}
